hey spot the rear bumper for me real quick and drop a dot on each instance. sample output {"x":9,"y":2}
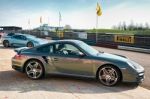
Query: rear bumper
{"x":17,"y":68}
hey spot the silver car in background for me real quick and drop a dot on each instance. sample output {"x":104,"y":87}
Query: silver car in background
{"x":22,"y":40}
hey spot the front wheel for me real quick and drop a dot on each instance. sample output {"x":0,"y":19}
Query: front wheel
{"x":30,"y":44}
{"x":34,"y":69}
{"x":109,"y":75}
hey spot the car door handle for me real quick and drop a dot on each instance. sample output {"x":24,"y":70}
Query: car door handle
{"x":55,"y":59}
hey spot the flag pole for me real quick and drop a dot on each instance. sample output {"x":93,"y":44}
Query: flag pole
{"x":96,"y":28}
{"x":59,"y":24}
{"x":41,"y":21}
{"x":98,"y":13}
{"x":29,"y":25}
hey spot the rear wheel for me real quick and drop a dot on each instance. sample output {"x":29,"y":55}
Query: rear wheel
{"x":34,"y":69}
{"x":6,"y":43}
{"x":30,"y":44}
{"x":109,"y":75}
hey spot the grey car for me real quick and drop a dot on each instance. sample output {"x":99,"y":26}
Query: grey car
{"x":76,"y":58}
{"x":22,"y":40}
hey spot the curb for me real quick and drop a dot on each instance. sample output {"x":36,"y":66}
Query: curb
{"x":134,"y":49}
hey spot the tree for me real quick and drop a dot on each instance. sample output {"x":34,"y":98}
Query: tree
{"x":67,"y":27}
{"x":146,"y":25}
{"x":124,"y":26}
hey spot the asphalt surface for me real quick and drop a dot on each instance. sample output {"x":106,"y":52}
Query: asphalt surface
{"x":15,"y":85}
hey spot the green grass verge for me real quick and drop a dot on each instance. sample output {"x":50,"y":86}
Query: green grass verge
{"x":112,"y":31}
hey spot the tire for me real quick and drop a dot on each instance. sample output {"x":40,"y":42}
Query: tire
{"x":30,"y":44}
{"x":6,"y":43}
{"x":34,"y":69}
{"x":109,"y":75}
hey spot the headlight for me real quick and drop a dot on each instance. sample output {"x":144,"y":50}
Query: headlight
{"x":131,"y":64}
{"x":134,"y":65}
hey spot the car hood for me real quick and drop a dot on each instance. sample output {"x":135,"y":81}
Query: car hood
{"x":40,"y":41}
{"x":113,"y":57}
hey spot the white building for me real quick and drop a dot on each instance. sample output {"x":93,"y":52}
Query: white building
{"x":45,"y":27}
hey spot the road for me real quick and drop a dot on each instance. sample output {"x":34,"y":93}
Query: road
{"x":15,"y":85}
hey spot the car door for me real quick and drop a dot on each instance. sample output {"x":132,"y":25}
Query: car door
{"x":19,"y":40}
{"x":66,"y":60}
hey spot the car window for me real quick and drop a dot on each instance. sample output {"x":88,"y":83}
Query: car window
{"x":45,"y":49}
{"x":23,"y":37}
{"x":66,"y":49}
{"x":10,"y":34}
{"x":17,"y":36}
{"x":20,"y":37}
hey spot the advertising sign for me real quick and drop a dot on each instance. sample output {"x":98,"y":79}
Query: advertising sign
{"x":124,"y":38}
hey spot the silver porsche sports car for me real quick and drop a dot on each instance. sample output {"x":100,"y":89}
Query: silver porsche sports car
{"x":76,"y":58}
{"x":22,"y":40}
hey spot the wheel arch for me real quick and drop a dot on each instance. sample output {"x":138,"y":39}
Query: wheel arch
{"x":121,"y":75}
{"x":6,"y":41}
{"x":32,"y":60}
{"x":29,"y":42}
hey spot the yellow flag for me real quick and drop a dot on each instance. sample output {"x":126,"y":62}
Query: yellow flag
{"x":98,"y":10}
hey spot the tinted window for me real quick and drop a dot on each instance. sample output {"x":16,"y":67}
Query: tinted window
{"x":66,"y":49}
{"x":23,"y":37}
{"x":45,"y":49}
{"x":20,"y":37}
{"x":10,"y":34}
{"x":17,"y":37}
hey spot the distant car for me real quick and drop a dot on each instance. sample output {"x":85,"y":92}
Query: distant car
{"x":22,"y":40}
{"x":7,"y":35}
{"x":76,"y":58}
{"x":1,"y":34}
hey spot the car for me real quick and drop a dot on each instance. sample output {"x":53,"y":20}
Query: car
{"x":76,"y":58}
{"x":1,"y":34}
{"x":7,"y":35}
{"x":22,"y":40}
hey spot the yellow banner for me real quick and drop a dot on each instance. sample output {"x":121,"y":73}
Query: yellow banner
{"x":124,"y":39}
{"x":60,"y":34}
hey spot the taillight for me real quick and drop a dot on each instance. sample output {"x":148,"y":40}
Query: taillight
{"x":19,"y":57}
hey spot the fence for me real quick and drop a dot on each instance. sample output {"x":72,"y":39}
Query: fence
{"x":103,"y":39}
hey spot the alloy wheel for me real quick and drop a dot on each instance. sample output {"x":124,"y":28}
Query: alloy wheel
{"x":30,"y":44}
{"x":6,"y":44}
{"x":108,"y":75}
{"x":34,"y":70}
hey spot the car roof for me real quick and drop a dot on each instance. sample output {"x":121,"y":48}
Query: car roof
{"x":61,"y":41}
{"x":67,"y":40}
{"x":23,"y":34}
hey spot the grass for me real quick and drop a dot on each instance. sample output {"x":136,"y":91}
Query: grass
{"x":113,"y":31}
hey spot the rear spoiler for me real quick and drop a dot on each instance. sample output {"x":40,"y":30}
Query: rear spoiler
{"x":18,"y":50}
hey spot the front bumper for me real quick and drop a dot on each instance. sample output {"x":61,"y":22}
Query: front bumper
{"x":130,"y":75}
{"x":140,"y":77}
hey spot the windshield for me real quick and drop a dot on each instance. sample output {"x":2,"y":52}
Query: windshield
{"x":88,"y":48}
{"x":30,"y":36}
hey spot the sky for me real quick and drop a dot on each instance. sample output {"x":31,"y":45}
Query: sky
{"x":79,"y":14}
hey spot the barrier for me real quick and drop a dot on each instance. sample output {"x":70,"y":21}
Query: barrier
{"x":110,"y":40}
{"x":134,"y":49}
